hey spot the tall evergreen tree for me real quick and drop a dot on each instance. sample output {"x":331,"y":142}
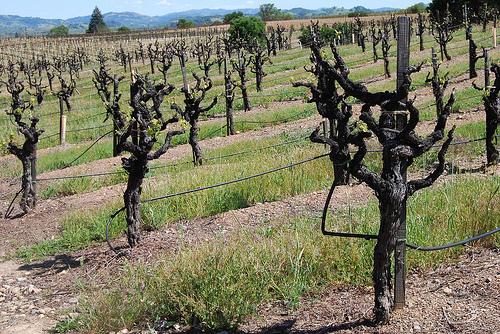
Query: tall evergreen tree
{"x":96,"y":24}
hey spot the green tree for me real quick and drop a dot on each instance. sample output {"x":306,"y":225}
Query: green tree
{"x":96,"y":24}
{"x":417,"y":8}
{"x":123,"y":29}
{"x":184,"y":24}
{"x":230,"y":16}
{"x":61,"y":30}
{"x":268,"y":12}
{"x":245,"y":29}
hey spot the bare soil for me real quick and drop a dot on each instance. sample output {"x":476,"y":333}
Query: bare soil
{"x":459,"y":297}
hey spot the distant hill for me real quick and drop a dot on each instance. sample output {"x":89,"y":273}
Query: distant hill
{"x":11,"y":25}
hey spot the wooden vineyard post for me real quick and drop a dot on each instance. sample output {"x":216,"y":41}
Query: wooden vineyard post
{"x":494,"y":32}
{"x":33,"y":168}
{"x":325,"y":131}
{"x":228,"y":123}
{"x":403,"y":62}
{"x":62,"y":123}
{"x":116,"y":130}
{"x":135,"y":127}
{"x":184,"y":74}
{"x":486,"y":70}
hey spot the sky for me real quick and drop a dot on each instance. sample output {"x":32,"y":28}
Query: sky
{"x":64,"y":9}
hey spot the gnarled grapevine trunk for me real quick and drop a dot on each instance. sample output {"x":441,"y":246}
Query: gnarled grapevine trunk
{"x":25,"y":155}
{"x":332,"y":106}
{"x":392,"y":199}
{"x":137,"y":169}
{"x":192,"y":111}
{"x":401,"y":147}
{"x":29,"y":195}
{"x":492,"y":108}
{"x":146,"y":100}
{"x":193,"y":142}
{"x":229,"y":86}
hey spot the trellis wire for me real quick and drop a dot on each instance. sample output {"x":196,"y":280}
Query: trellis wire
{"x":210,"y":187}
{"x":171,"y":165}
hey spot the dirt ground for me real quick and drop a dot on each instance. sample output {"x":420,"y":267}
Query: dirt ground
{"x":459,"y":297}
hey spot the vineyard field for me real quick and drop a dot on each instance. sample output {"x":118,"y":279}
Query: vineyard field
{"x":234,"y":244}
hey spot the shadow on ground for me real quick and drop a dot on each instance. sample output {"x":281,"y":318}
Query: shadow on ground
{"x":55,"y":265}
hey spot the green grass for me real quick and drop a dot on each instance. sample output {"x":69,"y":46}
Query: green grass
{"x":59,"y":158}
{"x":103,"y":148}
{"x":222,"y":282}
{"x":80,"y":229}
{"x":85,"y":227}
{"x":182,"y":177}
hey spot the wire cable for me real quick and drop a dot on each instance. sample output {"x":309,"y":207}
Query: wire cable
{"x":107,"y":229}
{"x":208,"y":187}
{"x":95,"y":142}
{"x":339,"y":234}
{"x":234,"y":181}
{"x":458,"y":243}
{"x":11,"y":207}
{"x":171,"y":165}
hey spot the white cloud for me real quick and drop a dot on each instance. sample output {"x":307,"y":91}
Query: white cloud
{"x":164,"y":3}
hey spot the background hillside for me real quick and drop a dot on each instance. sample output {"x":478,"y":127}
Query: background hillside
{"x":13,"y":25}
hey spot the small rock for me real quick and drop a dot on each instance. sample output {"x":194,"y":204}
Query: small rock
{"x":35,"y":290}
{"x":447,"y":290}
{"x":73,"y":300}
{"x":123,"y":331}
{"x":416,"y":327}
{"x":487,"y":280}
{"x":21,"y":279}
